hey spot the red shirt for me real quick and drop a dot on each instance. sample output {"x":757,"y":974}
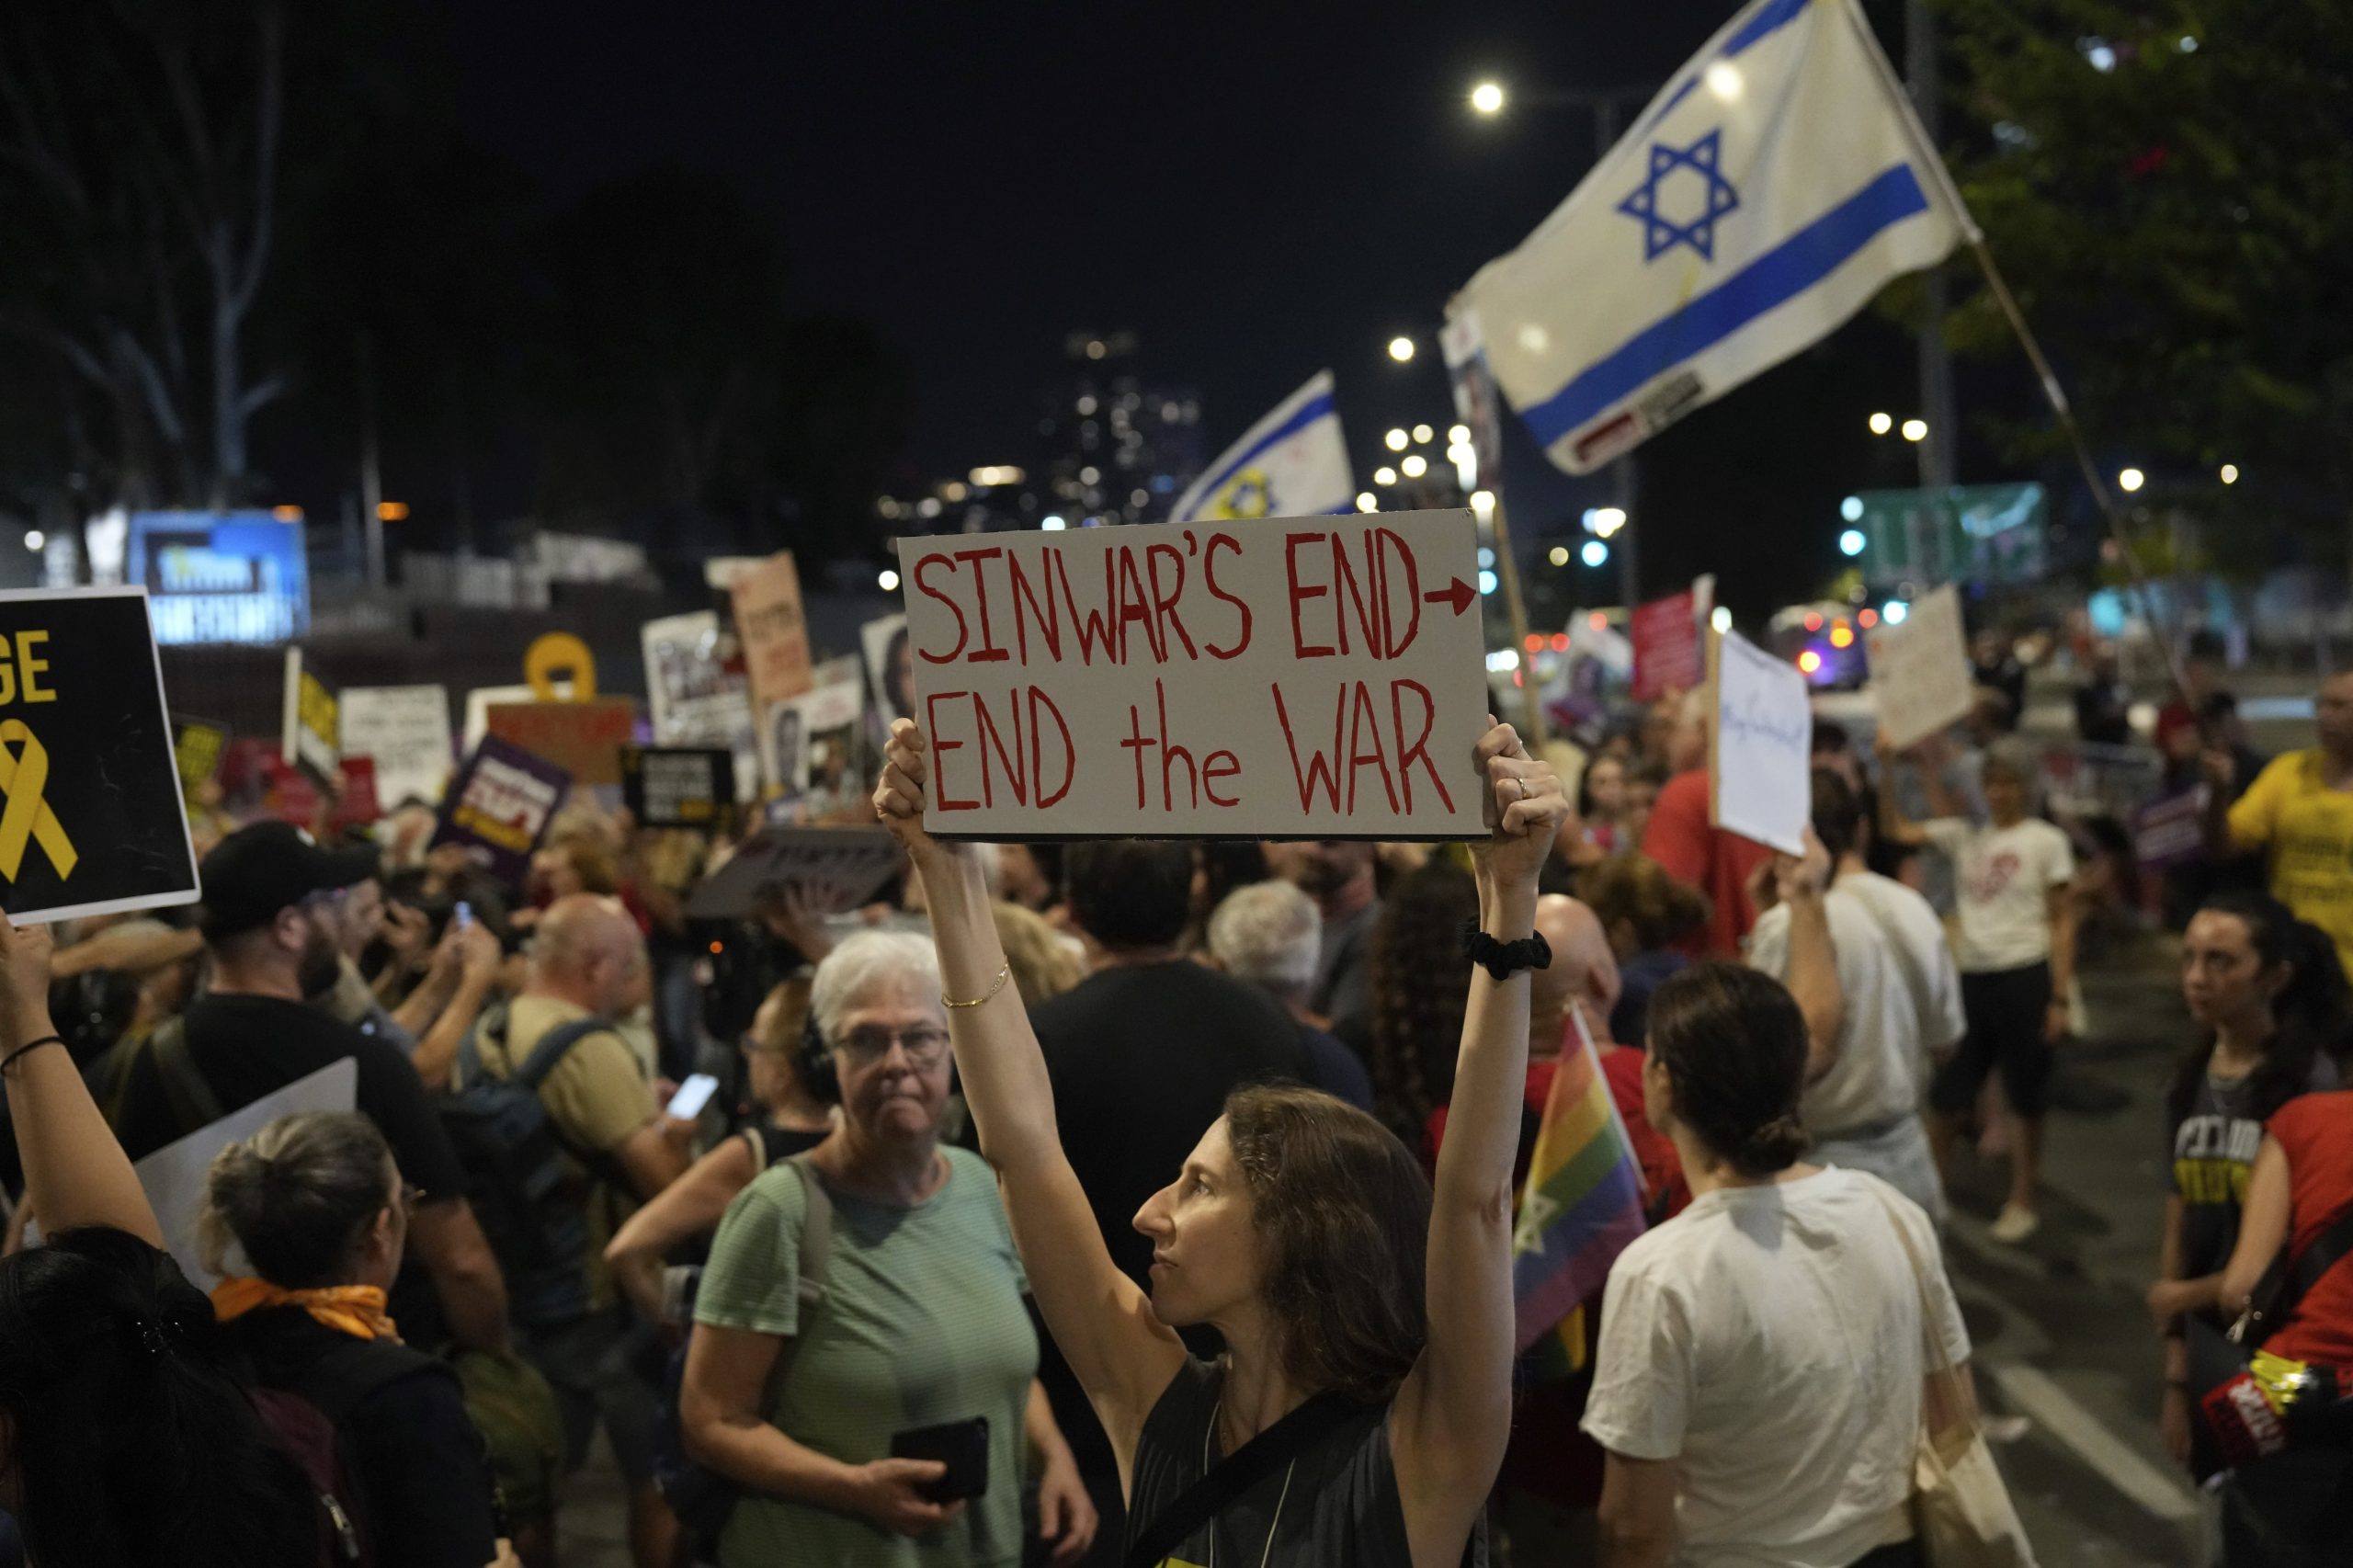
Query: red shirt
{"x":2316,"y":1134}
{"x":1692,"y":850}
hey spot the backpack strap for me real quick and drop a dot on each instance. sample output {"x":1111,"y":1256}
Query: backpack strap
{"x":816,"y":1233}
{"x":2286,"y":1282}
{"x":194,"y":1104}
{"x":1255,"y":1460}
{"x":338,"y":1381}
{"x":552,"y":1048}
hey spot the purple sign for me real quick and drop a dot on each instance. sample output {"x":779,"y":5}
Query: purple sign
{"x":2170,"y":832}
{"x":499,"y":806}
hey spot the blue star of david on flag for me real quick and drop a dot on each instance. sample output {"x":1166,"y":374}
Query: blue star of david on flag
{"x":1661,"y":232}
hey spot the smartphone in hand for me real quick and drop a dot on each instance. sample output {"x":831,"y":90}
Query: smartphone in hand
{"x":692,"y":1096}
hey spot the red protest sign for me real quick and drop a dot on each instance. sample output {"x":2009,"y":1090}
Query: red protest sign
{"x":1667,"y":652}
{"x":585,"y":739}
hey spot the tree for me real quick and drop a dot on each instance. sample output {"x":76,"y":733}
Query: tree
{"x":2166,"y":185}
{"x":138,"y":152}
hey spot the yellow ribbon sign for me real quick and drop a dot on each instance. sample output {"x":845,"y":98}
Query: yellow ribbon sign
{"x":560,"y":652}
{"x":27,"y":816}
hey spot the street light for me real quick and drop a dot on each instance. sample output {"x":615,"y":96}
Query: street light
{"x":1851,"y":542}
{"x":1054,"y":524}
{"x":1394,"y":440}
{"x":1487,"y":97}
{"x":1895,"y":611}
{"x":35,"y":540}
{"x":1881,"y":423}
{"x":2130,"y":479}
{"x":1400,"y":349}
{"x":1560,"y":555}
{"x":1368,"y":502}
{"x":1415,"y":465}
{"x":1457,"y":435}
{"x":886,"y":580}
{"x":1915,"y":429}
{"x":1594,"y":554}
{"x":1384,"y":476}
{"x":1422,"y":434}
{"x":1851,"y":508}
{"x":1604,"y":520}
{"x":2230,"y":473}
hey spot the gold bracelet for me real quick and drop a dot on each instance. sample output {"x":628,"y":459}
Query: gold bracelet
{"x":1004,"y":972}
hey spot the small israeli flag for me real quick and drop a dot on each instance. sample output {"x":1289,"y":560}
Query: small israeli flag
{"x":1777,"y":183}
{"x":1291,"y":464}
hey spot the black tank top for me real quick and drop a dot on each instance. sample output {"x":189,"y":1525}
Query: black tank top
{"x":1335,"y":1506}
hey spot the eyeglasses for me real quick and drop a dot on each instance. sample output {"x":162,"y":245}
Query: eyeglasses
{"x":925,"y":1044}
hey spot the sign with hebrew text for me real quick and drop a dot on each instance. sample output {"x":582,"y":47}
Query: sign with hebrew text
{"x":1309,"y":677}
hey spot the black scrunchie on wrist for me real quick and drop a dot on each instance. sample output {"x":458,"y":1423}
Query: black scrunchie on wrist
{"x":1503,"y":960}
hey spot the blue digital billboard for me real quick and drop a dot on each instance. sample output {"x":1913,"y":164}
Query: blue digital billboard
{"x":221,"y":576}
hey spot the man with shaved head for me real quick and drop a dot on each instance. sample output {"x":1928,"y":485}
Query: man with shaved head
{"x":589,"y":967}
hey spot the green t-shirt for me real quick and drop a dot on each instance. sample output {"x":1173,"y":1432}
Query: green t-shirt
{"x":922,"y":1324}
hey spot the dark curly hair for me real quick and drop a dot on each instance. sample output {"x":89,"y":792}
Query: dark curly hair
{"x":1421,"y":987}
{"x":131,"y":1443}
{"x":1661,"y":911}
{"x":1341,"y":1213}
{"x":1734,"y":1045}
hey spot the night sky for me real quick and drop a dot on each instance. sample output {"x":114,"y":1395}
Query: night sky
{"x":1257,"y":191}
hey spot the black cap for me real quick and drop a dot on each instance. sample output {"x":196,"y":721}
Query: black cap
{"x":258,"y":870}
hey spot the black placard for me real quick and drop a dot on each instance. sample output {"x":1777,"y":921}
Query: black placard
{"x":91,"y":819}
{"x":678,"y":785}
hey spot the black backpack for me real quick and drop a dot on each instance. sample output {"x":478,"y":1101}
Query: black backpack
{"x":528,"y":1201}
{"x":307,"y":1422}
{"x":703,"y":1499}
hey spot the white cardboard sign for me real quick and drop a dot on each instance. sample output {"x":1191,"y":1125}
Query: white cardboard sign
{"x":1278,"y":677}
{"x":1920,"y":674}
{"x":1760,"y":745}
{"x":174,"y":1174}
{"x":406,"y":729}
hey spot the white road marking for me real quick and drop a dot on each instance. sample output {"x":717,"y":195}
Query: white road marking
{"x":2033,"y":1393}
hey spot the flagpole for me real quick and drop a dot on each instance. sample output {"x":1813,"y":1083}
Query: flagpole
{"x":1531,"y":729}
{"x":2057,"y":397}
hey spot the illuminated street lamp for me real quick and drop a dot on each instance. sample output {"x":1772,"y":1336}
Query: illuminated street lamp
{"x":1487,"y":98}
{"x":2230,"y":473}
{"x":1400,"y":349}
{"x":1384,"y":476}
{"x":1394,"y":440}
{"x":1881,"y":423}
{"x":1415,"y":465}
{"x":2130,"y":479}
{"x":1422,"y":434}
{"x":1915,"y":429}
{"x":1368,"y":502}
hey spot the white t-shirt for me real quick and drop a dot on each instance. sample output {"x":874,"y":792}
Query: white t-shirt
{"x":1770,"y":1339}
{"x":1877,"y":1076}
{"x":2003,"y":874}
{"x":1917,"y":939}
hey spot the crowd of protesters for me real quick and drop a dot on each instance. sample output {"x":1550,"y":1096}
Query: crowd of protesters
{"x":1031,"y":1195}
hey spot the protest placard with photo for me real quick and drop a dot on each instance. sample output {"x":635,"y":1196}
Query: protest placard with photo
{"x":889,"y":667}
{"x":404,"y":730}
{"x":813,"y":751}
{"x":834,"y":868}
{"x":1306,"y":677}
{"x":92,"y":821}
{"x":309,"y":725}
{"x":584,"y":738}
{"x":678,"y":785}
{"x":695,"y":697}
{"x":499,"y":806}
{"x":770,"y":624}
{"x":1760,"y":745}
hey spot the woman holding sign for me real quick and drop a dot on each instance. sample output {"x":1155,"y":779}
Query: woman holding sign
{"x":1357,"y":1415}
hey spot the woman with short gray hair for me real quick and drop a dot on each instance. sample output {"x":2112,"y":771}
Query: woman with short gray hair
{"x":910,"y":1330}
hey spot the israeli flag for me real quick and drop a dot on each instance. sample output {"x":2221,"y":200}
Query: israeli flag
{"x":1777,"y":183}
{"x":1291,"y":464}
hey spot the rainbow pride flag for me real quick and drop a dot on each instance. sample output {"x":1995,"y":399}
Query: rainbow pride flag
{"x":1582,"y":1205}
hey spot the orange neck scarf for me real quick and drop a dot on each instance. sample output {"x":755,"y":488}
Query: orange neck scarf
{"x":354,"y":1310}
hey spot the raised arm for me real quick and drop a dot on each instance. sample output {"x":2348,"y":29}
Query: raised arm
{"x":1104,"y":1325}
{"x":1894,"y":826}
{"x":76,"y":1174}
{"x":1453,"y":1413}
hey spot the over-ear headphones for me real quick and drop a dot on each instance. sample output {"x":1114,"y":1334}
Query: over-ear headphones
{"x":816,"y":1062}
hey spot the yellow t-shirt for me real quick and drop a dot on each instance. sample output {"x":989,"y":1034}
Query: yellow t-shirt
{"x":2307,"y":829}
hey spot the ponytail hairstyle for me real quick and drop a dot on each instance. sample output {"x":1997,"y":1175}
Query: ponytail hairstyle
{"x":129,"y":1442}
{"x":298,"y":1197}
{"x":1734,"y":1045}
{"x":2308,"y":1016}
